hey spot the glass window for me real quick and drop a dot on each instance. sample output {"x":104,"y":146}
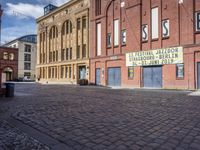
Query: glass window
{"x":5,"y":55}
{"x":84,"y":22}
{"x":197,"y":19}
{"x":109,"y":40}
{"x":130,"y":72}
{"x":98,"y":32}
{"x":27,"y":57}
{"x":70,"y":53}
{"x":67,"y":53}
{"x":27,"y":66}
{"x":78,"y":24}
{"x":27,"y":48}
{"x":27,"y":74}
{"x":154,"y":23}
{"x":11,"y":56}
{"x":84,"y":50}
{"x":180,"y":70}
{"x":116,"y":32}
{"x":78,"y":51}
{"x":98,"y":7}
{"x":124,"y":37}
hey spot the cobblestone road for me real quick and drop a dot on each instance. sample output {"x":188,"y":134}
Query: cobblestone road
{"x":95,"y":118}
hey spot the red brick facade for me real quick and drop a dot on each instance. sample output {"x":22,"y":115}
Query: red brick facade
{"x":132,"y":14}
{"x":8,"y":63}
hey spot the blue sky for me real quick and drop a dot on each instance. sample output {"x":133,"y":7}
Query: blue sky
{"x":19,"y":16}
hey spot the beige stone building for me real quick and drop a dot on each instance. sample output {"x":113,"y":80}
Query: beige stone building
{"x":63,"y":43}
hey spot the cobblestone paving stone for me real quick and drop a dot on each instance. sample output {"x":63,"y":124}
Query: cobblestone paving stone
{"x":12,"y":138}
{"x":89,"y":118}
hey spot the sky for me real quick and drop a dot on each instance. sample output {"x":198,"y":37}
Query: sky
{"x":19,"y":17}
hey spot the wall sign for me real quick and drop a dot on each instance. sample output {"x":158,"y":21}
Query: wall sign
{"x":155,"y":57}
{"x":165,"y":28}
{"x":145,"y":32}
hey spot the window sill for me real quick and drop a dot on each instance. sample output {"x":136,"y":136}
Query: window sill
{"x":165,"y":38}
{"x":154,"y":40}
{"x":179,"y":78}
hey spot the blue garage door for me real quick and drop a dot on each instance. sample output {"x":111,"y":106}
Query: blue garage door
{"x":98,"y":76}
{"x":114,"y":76}
{"x":152,"y":77}
{"x":198,"y":75}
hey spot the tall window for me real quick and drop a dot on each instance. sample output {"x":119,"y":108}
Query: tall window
{"x":78,"y":51}
{"x":154,"y":23}
{"x":67,"y":53}
{"x":124,"y":37}
{"x":84,"y":51}
{"x":197,"y":20}
{"x":27,"y":48}
{"x":63,"y":54}
{"x":116,"y":32}
{"x":84,"y":23}
{"x":98,"y":39}
{"x":27,"y":57}
{"x":98,"y":7}
{"x":109,"y":40}
{"x":180,"y":70}
{"x":78,"y":24}
{"x":70,"y":53}
{"x":27,"y":66}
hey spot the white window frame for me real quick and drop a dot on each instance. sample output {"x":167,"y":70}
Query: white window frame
{"x":98,"y":42}
{"x":116,"y":32}
{"x":154,"y":23}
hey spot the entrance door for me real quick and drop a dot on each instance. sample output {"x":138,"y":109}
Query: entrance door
{"x":114,"y":76}
{"x":98,"y":76}
{"x":198,"y":75}
{"x":152,"y":77}
{"x":82,"y":72}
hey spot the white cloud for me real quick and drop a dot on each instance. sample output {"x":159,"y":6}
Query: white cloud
{"x":11,"y":33}
{"x":24,"y":10}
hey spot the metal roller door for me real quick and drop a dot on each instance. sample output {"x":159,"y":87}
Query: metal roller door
{"x":114,"y":76}
{"x":198,"y":75}
{"x":152,"y":77}
{"x":98,"y":76}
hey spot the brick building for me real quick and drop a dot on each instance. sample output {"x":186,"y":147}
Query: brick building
{"x":145,"y":43}
{"x":8,"y":64}
{"x":63,"y":43}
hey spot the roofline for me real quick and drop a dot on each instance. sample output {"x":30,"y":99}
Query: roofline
{"x":56,"y":10}
{"x":4,"y":47}
{"x":18,"y":39}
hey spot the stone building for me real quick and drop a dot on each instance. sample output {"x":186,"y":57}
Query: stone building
{"x":27,"y":46}
{"x":145,"y":43}
{"x":63,"y":43}
{"x":8,"y":64}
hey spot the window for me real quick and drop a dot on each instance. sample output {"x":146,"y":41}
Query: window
{"x":50,"y":57}
{"x":130,"y":72}
{"x":180,"y":70}
{"x":27,"y":66}
{"x":78,"y":24}
{"x":98,"y":32}
{"x":70,"y":71}
{"x":62,"y":54}
{"x":67,"y":53}
{"x":66,"y":71}
{"x":144,"y":32}
{"x":27,"y":74}
{"x":78,"y":52}
{"x":109,"y":40}
{"x":27,"y":57}
{"x":197,"y":18}
{"x":165,"y":28}
{"x":116,"y":32}
{"x":62,"y":71}
{"x":54,"y":56}
{"x":27,"y":48}
{"x":11,"y":56}
{"x":154,"y":23}
{"x":5,"y":55}
{"x":98,"y":7}
{"x":84,"y":50}
{"x":70,"y":53}
{"x":84,"y":23}
{"x":124,"y":37}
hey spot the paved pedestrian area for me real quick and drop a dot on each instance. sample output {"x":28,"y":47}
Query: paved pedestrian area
{"x":73,"y":117}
